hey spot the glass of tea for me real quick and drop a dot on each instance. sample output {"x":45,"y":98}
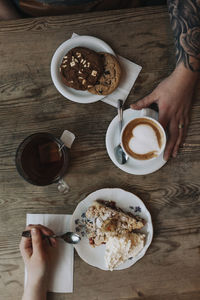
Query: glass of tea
{"x":43,"y":159}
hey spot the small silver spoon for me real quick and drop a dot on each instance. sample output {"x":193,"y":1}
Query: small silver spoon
{"x":68,"y":237}
{"x":120,"y":155}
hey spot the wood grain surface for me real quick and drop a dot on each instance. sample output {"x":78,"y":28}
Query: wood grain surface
{"x":30,"y":103}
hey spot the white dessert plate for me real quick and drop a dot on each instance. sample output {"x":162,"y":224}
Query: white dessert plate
{"x":126,"y":201}
{"x":113,"y":139}
{"x":78,"y":41}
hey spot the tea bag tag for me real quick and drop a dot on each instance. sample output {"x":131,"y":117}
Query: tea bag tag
{"x":67,"y":138}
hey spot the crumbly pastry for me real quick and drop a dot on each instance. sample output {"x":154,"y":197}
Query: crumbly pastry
{"x":109,"y":220}
{"x":81,"y":68}
{"x":121,"y":248}
{"x":110,"y":225}
{"x":110,"y":78}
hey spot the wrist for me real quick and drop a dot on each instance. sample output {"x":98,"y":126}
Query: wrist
{"x":37,"y":273}
{"x":186,"y":76}
{"x":33,"y":292}
{"x":36,"y":284}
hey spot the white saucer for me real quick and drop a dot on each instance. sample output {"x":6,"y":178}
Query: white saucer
{"x":112,"y":140}
{"x":79,"y":41}
{"x":126,"y":201}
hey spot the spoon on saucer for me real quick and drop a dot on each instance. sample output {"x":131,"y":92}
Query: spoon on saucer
{"x":68,"y":237}
{"x":120,"y":155}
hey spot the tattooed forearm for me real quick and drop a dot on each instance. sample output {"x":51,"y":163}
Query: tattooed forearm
{"x":185,"y":21}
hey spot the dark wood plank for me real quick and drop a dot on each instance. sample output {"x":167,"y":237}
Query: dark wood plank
{"x":30,"y":103}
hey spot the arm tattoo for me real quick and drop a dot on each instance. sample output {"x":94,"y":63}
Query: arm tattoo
{"x":185,"y":22}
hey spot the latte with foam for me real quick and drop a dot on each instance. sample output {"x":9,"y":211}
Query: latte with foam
{"x":143,"y":138}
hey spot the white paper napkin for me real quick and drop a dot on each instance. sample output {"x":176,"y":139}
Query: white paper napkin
{"x":61,"y":258}
{"x":129,"y":76}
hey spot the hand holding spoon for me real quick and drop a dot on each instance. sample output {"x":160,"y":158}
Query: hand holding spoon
{"x":68,"y":237}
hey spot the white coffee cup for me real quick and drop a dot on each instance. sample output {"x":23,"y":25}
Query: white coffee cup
{"x":143,"y":138}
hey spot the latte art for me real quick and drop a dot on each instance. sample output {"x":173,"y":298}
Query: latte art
{"x":143,"y":139}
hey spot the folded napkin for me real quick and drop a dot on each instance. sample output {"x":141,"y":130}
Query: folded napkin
{"x":129,"y":76}
{"x":61,"y":258}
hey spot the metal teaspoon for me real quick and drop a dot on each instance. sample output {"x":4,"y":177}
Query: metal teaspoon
{"x":68,"y":237}
{"x":120,"y":155}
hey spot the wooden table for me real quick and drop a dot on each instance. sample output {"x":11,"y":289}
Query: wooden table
{"x":30,"y":103}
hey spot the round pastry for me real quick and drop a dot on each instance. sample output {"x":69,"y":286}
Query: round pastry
{"x":81,"y":68}
{"x":110,"y":78}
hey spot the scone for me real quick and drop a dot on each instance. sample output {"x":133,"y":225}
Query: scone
{"x":107,"y":220}
{"x":121,"y":248}
{"x":110,"y":225}
{"x":81,"y":68}
{"x":110,"y":78}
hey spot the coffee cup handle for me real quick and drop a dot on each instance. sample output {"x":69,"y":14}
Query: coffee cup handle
{"x":67,"y":138}
{"x":148,"y":112}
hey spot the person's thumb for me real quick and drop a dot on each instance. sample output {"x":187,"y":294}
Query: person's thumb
{"x":144,"y":102}
{"x":36,"y":240}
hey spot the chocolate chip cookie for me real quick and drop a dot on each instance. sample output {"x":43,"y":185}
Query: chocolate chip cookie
{"x":110,"y":78}
{"x":81,"y":68}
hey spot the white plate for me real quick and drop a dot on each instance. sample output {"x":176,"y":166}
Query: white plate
{"x":79,"y":41}
{"x":125,"y":200}
{"x":112,"y":140}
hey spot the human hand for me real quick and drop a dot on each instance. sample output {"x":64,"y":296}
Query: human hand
{"x":8,"y":10}
{"x":174,"y":98}
{"x":34,"y":251}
